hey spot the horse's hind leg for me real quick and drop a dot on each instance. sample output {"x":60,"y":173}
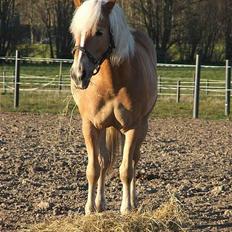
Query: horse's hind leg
{"x":141,"y":136}
{"x":91,"y":135}
{"x":133,"y":195}
{"x":104,"y":165}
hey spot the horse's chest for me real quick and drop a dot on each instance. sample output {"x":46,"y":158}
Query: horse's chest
{"x":105,"y":111}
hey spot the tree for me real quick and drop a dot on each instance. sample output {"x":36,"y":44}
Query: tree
{"x":226,"y":10}
{"x":63,"y":13}
{"x":189,"y":33}
{"x":29,"y":15}
{"x":178,"y":28}
{"x":199,"y":32}
{"x":9,"y":22}
{"x":157,"y":19}
{"x":56,"y":16}
{"x":46,"y":14}
{"x":210,"y":28}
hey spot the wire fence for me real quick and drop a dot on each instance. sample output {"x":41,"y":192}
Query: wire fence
{"x":30,"y":83}
{"x":46,"y":81}
{"x":166,"y":85}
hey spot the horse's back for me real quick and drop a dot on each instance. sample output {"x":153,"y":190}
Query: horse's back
{"x":144,"y":69}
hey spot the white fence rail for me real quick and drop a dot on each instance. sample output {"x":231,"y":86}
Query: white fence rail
{"x":42,"y":82}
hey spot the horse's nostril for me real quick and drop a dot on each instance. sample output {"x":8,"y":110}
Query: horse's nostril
{"x":83,"y":75}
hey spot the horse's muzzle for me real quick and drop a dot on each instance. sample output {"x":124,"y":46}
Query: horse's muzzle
{"x":81,"y":84}
{"x":81,"y":81}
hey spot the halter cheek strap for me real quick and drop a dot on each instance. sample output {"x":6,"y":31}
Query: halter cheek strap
{"x":97,"y":62}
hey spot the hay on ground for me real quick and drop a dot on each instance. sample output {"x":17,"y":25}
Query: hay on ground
{"x":168,"y":217}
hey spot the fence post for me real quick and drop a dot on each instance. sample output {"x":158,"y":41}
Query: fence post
{"x":228,"y":88}
{"x":178,"y":91}
{"x":60,"y":76}
{"x":206,"y":87}
{"x":196,"y":99}
{"x":17,"y":79}
{"x":159,"y":84}
{"x":194,"y":78}
{"x":4,"y":81}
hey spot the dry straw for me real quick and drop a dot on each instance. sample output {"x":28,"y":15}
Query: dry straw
{"x":168,"y":217}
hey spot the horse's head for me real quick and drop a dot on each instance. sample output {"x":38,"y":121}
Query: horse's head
{"x":93,"y":39}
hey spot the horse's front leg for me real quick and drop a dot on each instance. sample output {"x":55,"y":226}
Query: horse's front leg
{"x":91,"y":136}
{"x":104,"y":162}
{"x":127,"y":169}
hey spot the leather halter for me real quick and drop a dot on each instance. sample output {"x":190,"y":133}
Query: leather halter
{"x":97,"y":62}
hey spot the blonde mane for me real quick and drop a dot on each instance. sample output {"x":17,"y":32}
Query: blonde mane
{"x":86,"y":19}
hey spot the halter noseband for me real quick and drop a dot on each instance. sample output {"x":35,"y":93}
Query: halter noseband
{"x":97,"y":62}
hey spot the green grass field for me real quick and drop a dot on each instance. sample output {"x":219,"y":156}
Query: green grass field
{"x":211,"y":107}
{"x":48,"y":69}
{"x":45,"y":69}
{"x":183,"y":73}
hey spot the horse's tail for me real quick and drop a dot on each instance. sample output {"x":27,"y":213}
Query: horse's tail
{"x":114,"y":144}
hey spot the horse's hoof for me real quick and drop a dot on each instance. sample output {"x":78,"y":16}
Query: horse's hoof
{"x":134,"y":205}
{"x":100,"y":206}
{"x":125,"y":210}
{"x":89,"y":210}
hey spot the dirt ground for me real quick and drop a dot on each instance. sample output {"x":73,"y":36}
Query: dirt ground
{"x":43,"y":160}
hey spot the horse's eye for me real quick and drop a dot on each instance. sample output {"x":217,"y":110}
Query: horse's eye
{"x":99,"y":33}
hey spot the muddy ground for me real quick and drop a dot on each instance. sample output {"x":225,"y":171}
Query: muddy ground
{"x":43,"y":160}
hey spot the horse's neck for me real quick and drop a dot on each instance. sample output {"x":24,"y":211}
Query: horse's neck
{"x":113,"y":77}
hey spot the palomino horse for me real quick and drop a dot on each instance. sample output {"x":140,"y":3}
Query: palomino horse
{"x":114,"y":84}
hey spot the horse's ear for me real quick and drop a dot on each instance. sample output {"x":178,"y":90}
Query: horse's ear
{"x":77,"y":3}
{"x":108,"y":5}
